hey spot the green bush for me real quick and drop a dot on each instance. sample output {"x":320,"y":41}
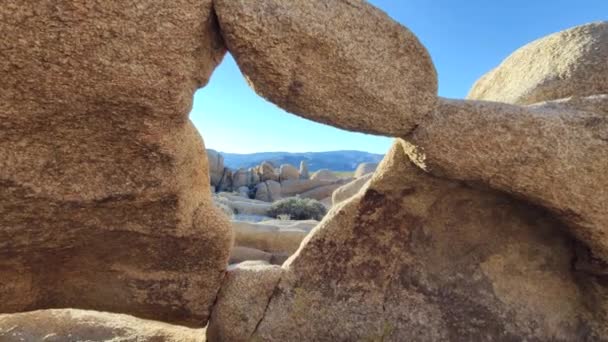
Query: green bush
{"x":298,"y":209}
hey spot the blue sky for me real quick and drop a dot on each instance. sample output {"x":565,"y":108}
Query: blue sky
{"x":465,"y":39}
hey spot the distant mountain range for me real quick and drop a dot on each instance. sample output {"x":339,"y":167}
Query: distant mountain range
{"x":333,"y":160}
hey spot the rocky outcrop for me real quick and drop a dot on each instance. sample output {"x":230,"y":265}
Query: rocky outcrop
{"x":267,"y":172}
{"x":243,"y":206}
{"x":268,"y":191}
{"x":272,"y":236}
{"x":564,"y":64}
{"x":103,"y":179}
{"x":304,"y":170}
{"x":324,"y":175}
{"x":248,"y":285}
{"x":554,"y":158}
{"x":414,"y":257}
{"x":295,"y":187}
{"x":379,"y":79}
{"x":216,"y":166}
{"x":81,"y":325}
{"x":240,"y":254}
{"x":364,"y":169}
{"x":288,"y":172}
{"x":348,"y":190}
{"x":322,"y":192}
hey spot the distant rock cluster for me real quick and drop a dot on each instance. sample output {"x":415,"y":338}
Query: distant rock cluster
{"x":269,"y":183}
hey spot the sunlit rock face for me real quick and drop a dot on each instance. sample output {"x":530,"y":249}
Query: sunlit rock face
{"x":486,"y":222}
{"x":414,"y":257}
{"x":565,"y":64}
{"x":104,"y":186}
{"x":550,"y":154}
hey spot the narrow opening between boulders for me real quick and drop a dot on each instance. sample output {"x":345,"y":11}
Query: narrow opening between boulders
{"x":262,"y":172}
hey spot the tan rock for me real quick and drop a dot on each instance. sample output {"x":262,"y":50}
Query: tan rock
{"x":268,"y":191}
{"x":288,"y":172}
{"x":269,"y":237}
{"x":364,"y":169}
{"x":415,"y":257}
{"x":595,"y":103}
{"x":245,"y":206}
{"x":322,"y":192}
{"x":340,"y":62}
{"x":348,"y":190}
{"x":240,"y":254}
{"x":567,"y":63}
{"x":80,"y":325}
{"x":103,"y":178}
{"x":247,"y":287}
{"x":324,"y":175}
{"x":267,"y":172}
{"x":294,"y":187}
{"x":551,"y":157}
{"x":216,"y":166}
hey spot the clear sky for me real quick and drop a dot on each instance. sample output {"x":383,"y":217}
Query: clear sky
{"x":465,"y":39}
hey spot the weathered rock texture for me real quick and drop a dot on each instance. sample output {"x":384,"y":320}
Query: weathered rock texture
{"x":104,"y":187}
{"x":553,"y":157}
{"x":348,"y":190}
{"x":415,"y":257}
{"x":79,"y":325}
{"x":564,"y":64}
{"x":339,"y":62}
{"x":364,"y":169}
{"x":289,"y":172}
{"x":247,"y":288}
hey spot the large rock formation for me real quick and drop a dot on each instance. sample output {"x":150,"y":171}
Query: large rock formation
{"x":348,"y":190}
{"x":553,"y":157}
{"x":414,"y":257}
{"x":364,"y":169}
{"x":564,"y":64}
{"x":340,"y":62}
{"x":104,"y":186}
{"x":216,"y":167}
{"x":80,"y":325}
{"x":289,"y":172}
{"x":268,"y":191}
{"x":267,"y":172}
{"x":324,"y":175}
{"x":304,"y":170}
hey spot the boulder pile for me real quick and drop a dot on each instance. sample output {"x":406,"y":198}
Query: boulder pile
{"x":485,"y":221}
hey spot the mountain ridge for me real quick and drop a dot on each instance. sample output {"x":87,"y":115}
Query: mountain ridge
{"x":340,"y":160}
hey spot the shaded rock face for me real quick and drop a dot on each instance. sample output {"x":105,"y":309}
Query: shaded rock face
{"x":379,"y":79}
{"x":549,"y":155}
{"x":564,"y":64}
{"x":104,"y":187}
{"x":216,"y":167}
{"x":81,"y":325}
{"x":415,"y":257}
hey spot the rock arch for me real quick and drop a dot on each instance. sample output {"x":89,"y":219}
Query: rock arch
{"x":104,"y":199}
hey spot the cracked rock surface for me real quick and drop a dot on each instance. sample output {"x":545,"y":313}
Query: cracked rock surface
{"x":414,"y":257}
{"x":549,"y":154}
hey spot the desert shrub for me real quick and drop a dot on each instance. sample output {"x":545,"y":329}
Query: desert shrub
{"x":298,"y":209}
